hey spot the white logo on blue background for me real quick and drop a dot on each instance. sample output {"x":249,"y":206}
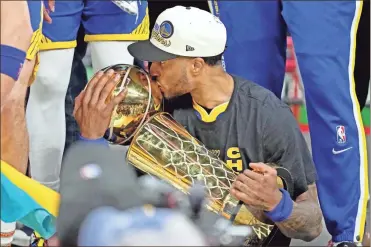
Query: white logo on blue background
{"x":166,"y":29}
{"x":340,"y":134}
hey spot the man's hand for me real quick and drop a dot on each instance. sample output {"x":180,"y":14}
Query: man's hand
{"x":94,"y":105}
{"x":258,"y":187}
{"x":47,"y":9}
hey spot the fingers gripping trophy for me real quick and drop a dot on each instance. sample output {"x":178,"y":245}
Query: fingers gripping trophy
{"x":163,"y":148}
{"x":138,"y":99}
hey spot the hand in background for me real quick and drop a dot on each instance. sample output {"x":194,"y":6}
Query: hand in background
{"x":47,"y":9}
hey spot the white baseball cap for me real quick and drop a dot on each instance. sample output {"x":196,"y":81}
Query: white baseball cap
{"x":182,"y":31}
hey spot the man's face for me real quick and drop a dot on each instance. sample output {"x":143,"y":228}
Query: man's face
{"x":172,"y":77}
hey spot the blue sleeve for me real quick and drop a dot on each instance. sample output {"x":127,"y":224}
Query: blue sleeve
{"x":101,"y":140}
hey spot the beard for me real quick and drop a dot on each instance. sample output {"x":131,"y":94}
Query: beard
{"x":179,"y":97}
{"x":173,"y":96}
{"x":178,"y":102}
{"x":179,"y":88}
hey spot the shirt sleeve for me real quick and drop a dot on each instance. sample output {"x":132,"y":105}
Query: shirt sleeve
{"x":284,"y":145}
{"x":101,"y":141}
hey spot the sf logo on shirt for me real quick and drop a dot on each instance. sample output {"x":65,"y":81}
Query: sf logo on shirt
{"x":234,"y":160}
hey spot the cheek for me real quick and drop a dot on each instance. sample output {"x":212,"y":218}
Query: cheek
{"x":177,"y":86}
{"x":170,"y":81}
{"x":173,"y":81}
{"x":183,"y":85}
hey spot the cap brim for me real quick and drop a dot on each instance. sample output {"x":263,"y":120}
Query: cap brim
{"x":146,"y":51}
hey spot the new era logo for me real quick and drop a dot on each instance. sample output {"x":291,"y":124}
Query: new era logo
{"x":189,"y":48}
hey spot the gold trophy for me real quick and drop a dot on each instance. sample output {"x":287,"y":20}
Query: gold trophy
{"x":143,"y":99}
{"x":163,"y":148}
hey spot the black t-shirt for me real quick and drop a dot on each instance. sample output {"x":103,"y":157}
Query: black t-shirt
{"x":255,"y":127}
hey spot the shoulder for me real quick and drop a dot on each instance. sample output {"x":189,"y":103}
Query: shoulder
{"x":256,"y":94}
{"x":250,"y":95}
{"x":183,"y":115}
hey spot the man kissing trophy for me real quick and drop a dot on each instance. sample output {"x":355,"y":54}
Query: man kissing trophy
{"x":161,"y":147}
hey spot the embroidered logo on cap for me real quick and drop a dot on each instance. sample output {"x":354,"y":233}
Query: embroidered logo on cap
{"x":166,"y":29}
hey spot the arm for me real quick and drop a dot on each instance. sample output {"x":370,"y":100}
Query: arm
{"x":289,"y":149}
{"x":305,"y":221}
{"x":16,"y":33}
{"x":299,"y":219}
{"x":14,"y":134}
{"x":299,"y":215}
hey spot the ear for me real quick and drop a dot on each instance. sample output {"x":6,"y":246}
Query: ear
{"x":198,"y":65}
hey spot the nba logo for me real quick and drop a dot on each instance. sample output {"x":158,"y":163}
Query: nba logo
{"x":340,"y":134}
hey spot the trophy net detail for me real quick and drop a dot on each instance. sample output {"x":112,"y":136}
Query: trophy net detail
{"x":186,"y":159}
{"x":167,"y":145}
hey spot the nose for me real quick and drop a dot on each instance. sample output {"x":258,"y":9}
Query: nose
{"x":155,"y":69}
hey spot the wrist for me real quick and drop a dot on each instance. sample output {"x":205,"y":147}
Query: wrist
{"x":12,"y":60}
{"x":99,"y":140}
{"x":276,"y":199}
{"x":283,"y":209}
{"x":88,"y":136}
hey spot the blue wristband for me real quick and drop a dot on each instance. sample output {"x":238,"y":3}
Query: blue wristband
{"x":12,"y":60}
{"x":283,"y":210}
{"x":101,"y":140}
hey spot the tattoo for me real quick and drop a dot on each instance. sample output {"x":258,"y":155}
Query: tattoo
{"x":259,"y":214}
{"x":305,"y":222}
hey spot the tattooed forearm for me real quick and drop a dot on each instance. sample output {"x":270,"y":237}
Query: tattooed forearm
{"x":259,"y":214}
{"x":305,"y":222}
